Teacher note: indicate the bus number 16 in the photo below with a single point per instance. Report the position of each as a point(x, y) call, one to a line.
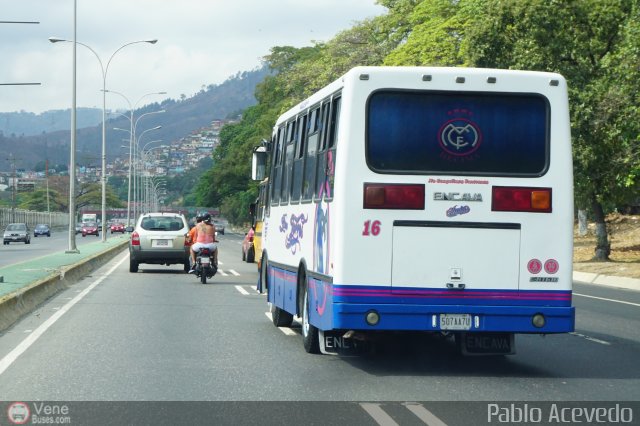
point(371, 228)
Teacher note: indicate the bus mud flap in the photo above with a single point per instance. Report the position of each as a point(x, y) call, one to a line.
point(335, 343)
point(474, 344)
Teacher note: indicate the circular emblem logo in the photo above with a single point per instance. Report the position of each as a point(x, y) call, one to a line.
point(534, 266)
point(551, 266)
point(460, 137)
point(18, 413)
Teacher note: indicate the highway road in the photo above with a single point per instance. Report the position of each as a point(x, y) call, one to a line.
point(41, 246)
point(160, 335)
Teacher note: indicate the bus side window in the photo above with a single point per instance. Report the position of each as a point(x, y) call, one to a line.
point(287, 166)
point(276, 173)
point(326, 152)
point(309, 182)
point(334, 126)
point(298, 162)
point(263, 205)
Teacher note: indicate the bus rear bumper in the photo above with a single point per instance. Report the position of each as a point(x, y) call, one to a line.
point(511, 319)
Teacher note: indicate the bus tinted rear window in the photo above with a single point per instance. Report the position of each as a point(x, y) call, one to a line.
point(491, 134)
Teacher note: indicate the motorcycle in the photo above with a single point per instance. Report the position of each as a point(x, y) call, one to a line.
point(205, 268)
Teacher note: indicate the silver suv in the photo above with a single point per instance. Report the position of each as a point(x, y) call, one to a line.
point(17, 232)
point(158, 238)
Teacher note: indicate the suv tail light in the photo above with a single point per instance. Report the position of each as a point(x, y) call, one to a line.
point(135, 239)
point(518, 199)
point(393, 196)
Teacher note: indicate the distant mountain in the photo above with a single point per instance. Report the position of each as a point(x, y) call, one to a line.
point(28, 123)
point(180, 119)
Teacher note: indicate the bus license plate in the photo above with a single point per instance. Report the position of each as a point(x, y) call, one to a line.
point(455, 321)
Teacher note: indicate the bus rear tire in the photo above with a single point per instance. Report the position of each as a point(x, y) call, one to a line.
point(310, 335)
point(281, 318)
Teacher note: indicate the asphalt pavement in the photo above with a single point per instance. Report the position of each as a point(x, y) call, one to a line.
point(186, 353)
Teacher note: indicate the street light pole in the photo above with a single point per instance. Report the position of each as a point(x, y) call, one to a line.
point(72, 160)
point(132, 138)
point(104, 70)
point(137, 187)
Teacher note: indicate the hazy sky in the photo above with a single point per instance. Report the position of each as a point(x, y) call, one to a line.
point(201, 42)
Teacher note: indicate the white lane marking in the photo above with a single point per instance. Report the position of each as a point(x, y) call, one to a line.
point(12, 356)
point(285, 330)
point(423, 414)
point(234, 272)
point(591, 339)
point(223, 273)
point(608, 300)
point(28, 331)
point(378, 414)
point(242, 290)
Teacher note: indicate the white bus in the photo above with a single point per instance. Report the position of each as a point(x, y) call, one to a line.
point(423, 199)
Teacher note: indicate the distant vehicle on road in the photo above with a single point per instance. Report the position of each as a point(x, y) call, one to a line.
point(42, 229)
point(90, 228)
point(248, 250)
point(117, 227)
point(159, 238)
point(219, 226)
point(16, 233)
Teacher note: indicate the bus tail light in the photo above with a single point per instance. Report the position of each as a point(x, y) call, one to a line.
point(393, 196)
point(519, 199)
point(135, 239)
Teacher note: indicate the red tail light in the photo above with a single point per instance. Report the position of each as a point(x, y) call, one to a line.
point(393, 196)
point(517, 199)
point(135, 239)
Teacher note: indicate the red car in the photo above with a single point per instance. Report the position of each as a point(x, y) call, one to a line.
point(89, 228)
point(117, 227)
point(248, 251)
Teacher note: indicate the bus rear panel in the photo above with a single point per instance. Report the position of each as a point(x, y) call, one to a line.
point(446, 205)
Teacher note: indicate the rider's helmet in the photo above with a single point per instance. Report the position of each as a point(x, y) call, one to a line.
point(206, 218)
point(199, 218)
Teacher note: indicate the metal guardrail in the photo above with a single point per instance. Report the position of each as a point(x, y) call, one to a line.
point(32, 218)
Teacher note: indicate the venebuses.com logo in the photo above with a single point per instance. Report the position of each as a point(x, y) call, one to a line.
point(18, 413)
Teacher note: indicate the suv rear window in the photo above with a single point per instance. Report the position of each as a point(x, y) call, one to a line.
point(162, 223)
point(492, 134)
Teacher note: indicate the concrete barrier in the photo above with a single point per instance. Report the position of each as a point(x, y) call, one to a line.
point(23, 301)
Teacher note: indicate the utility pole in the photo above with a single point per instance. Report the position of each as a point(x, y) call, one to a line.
point(12, 159)
point(46, 174)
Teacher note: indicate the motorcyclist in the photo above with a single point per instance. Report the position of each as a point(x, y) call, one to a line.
point(204, 236)
point(190, 237)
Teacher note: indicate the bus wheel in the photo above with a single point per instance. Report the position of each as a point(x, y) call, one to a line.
point(309, 333)
point(280, 317)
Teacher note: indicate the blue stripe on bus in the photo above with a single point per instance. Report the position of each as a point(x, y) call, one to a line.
point(428, 296)
point(344, 306)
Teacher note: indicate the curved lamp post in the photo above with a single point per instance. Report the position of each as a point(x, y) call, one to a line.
point(132, 137)
point(104, 70)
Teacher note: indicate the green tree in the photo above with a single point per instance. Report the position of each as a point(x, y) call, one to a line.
point(90, 194)
point(37, 201)
point(581, 40)
point(437, 36)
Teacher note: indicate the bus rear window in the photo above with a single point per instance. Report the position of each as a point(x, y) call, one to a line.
point(491, 134)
